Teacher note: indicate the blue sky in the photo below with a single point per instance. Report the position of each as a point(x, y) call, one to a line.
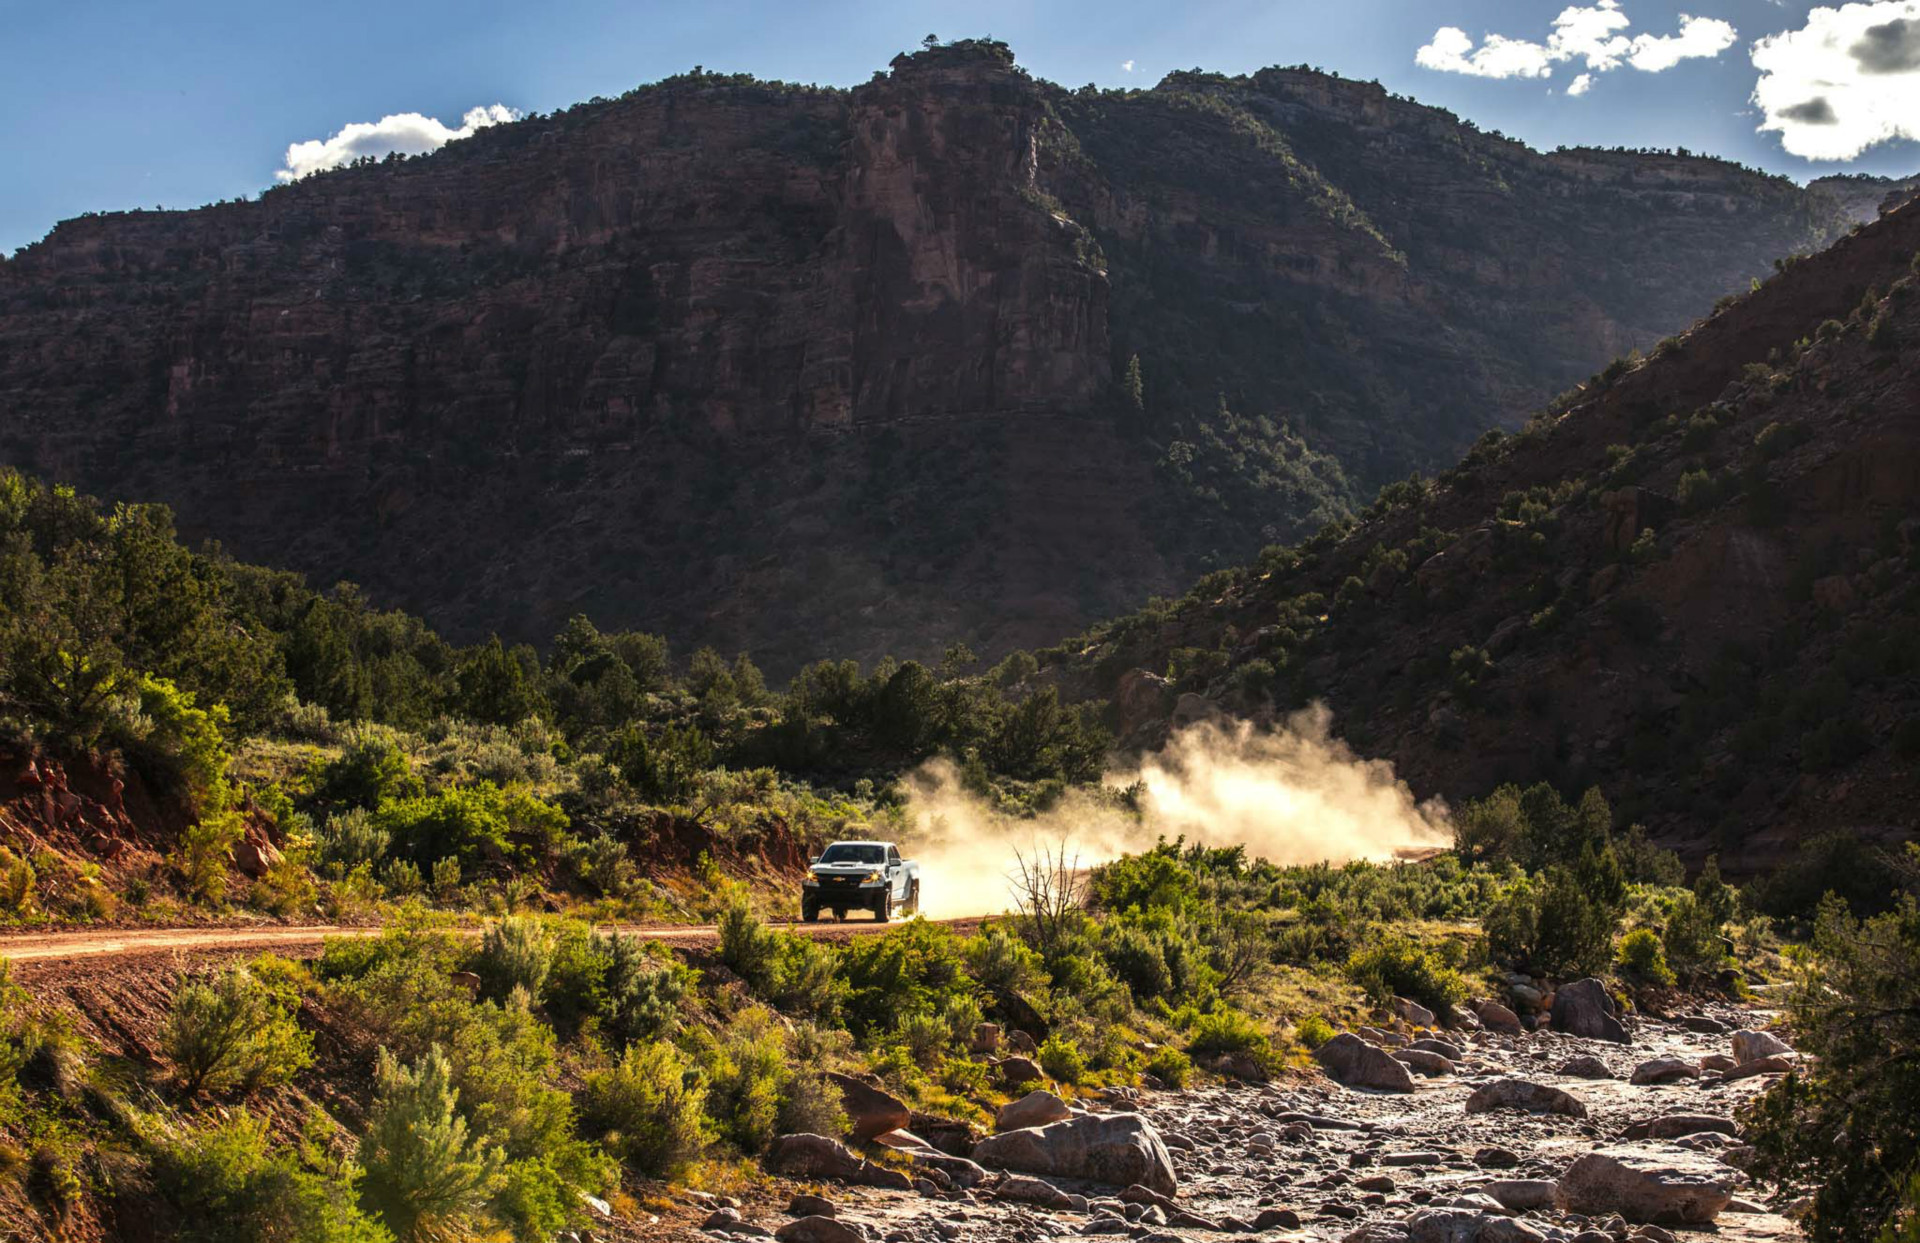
point(115, 104)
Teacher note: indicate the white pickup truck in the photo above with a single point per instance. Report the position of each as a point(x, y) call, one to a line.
point(860, 876)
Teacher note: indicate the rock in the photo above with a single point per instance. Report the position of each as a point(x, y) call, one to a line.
point(812, 1156)
point(1587, 1067)
point(1018, 1070)
point(1583, 1008)
point(725, 1220)
point(1036, 1108)
point(467, 980)
point(1429, 1045)
point(1509, 1230)
point(1020, 1042)
point(1646, 1183)
point(870, 1112)
point(1413, 1012)
point(1119, 1149)
point(1496, 1017)
point(1495, 1158)
point(1525, 996)
point(1357, 1064)
point(1717, 1061)
point(821, 1230)
point(1024, 1190)
point(1663, 1070)
point(1775, 1065)
point(1673, 1126)
point(1445, 1225)
point(1427, 1063)
point(811, 1206)
point(957, 1170)
point(1523, 1094)
point(1521, 1195)
point(1461, 1017)
point(255, 855)
point(1478, 1202)
point(1412, 1158)
point(1751, 1046)
point(985, 1038)
point(1277, 1219)
point(1700, 1023)
point(1385, 1039)
point(905, 1141)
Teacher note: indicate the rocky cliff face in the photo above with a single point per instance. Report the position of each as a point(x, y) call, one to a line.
point(806, 370)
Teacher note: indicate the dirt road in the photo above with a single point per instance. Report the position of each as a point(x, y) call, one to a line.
point(67, 945)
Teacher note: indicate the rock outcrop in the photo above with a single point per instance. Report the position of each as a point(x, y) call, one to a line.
point(1352, 1061)
point(1119, 1149)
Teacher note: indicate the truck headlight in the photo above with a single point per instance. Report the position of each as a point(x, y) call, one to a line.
point(874, 878)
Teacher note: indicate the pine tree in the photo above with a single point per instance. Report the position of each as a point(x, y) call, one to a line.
point(424, 1173)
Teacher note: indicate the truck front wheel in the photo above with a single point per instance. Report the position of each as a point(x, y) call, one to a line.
point(810, 913)
point(883, 909)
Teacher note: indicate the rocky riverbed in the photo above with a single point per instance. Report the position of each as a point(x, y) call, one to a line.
point(1492, 1136)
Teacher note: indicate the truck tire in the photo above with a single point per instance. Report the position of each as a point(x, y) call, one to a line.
point(883, 909)
point(913, 897)
point(810, 913)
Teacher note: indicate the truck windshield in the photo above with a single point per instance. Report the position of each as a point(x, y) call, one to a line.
point(842, 852)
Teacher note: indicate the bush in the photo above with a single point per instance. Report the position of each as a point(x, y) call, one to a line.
point(469, 822)
point(1693, 939)
point(203, 853)
point(1560, 925)
point(515, 953)
point(233, 1031)
point(370, 772)
point(1226, 1031)
point(649, 1109)
point(347, 840)
point(603, 863)
point(639, 996)
point(16, 883)
point(1643, 957)
point(1062, 1060)
point(791, 972)
point(1137, 960)
point(425, 1175)
point(1171, 1067)
point(754, 1090)
point(1396, 965)
point(1003, 964)
point(1312, 1031)
point(230, 1187)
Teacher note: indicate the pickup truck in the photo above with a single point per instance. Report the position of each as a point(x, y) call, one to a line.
point(860, 876)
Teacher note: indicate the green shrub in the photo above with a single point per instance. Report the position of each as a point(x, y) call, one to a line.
point(469, 822)
point(1642, 956)
point(203, 853)
point(1226, 1030)
point(1062, 1060)
point(1693, 938)
point(1003, 964)
point(916, 968)
point(755, 1092)
point(16, 883)
point(229, 1186)
point(515, 953)
point(1697, 492)
point(1312, 1031)
point(1560, 924)
point(1137, 960)
point(348, 839)
point(1171, 1067)
point(233, 1031)
point(371, 771)
point(426, 1176)
point(1396, 965)
point(604, 864)
point(648, 1107)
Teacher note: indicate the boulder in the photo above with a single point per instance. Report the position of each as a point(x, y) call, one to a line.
point(1037, 1191)
point(1700, 1023)
point(1424, 1061)
point(1495, 1158)
point(1277, 1219)
point(812, 1156)
point(958, 1170)
point(1664, 1070)
point(1653, 1183)
point(1036, 1108)
point(1495, 1017)
point(949, 1135)
point(811, 1206)
point(1521, 1195)
point(1016, 1070)
point(1751, 1046)
point(1413, 1012)
point(985, 1039)
point(1587, 1067)
point(1444, 1048)
point(1673, 1126)
point(1467, 1225)
point(1778, 1064)
point(870, 1112)
point(1583, 1008)
point(1352, 1061)
point(1510, 1230)
point(1523, 1094)
point(821, 1230)
point(1119, 1149)
point(255, 855)
point(1717, 1061)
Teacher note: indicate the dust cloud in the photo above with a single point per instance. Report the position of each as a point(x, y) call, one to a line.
point(1290, 795)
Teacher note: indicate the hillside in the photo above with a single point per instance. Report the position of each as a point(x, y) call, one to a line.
point(801, 370)
point(1696, 583)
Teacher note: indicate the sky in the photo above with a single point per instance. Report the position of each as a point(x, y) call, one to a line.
point(112, 104)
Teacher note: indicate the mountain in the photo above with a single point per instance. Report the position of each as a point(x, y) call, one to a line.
point(1865, 197)
point(803, 370)
point(1695, 582)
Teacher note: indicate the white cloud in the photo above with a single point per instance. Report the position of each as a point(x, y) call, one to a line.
point(1847, 80)
point(1127, 65)
point(406, 132)
point(1594, 35)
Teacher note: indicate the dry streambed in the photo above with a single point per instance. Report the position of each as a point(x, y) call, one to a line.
point(1489, 1137)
